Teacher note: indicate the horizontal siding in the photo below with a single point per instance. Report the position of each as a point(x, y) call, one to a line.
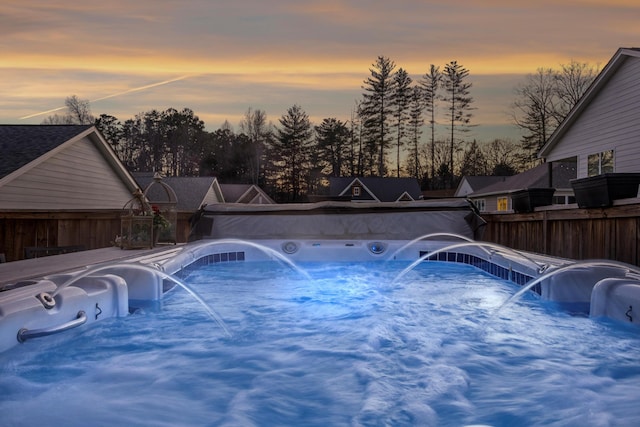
point(611, 121)
point(79, 177)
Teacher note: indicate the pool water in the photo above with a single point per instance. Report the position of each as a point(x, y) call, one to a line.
point(349, 347)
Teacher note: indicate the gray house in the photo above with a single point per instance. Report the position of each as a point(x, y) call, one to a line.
point(602, 132)
point(497, 197)
point(194, 192)
point(374, 189)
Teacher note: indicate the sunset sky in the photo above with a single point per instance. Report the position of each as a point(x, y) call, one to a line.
point(221, 57)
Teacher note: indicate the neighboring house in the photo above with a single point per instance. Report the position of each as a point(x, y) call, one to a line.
point(245, 193)
point(496, 197)
point(60, 186)
point(194, 192)
point(601, 133)
point(60, 167)
point(374, 189)
point(471, 184)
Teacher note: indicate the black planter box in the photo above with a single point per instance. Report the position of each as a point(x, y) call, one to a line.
point(601, 190)
point(526, 200)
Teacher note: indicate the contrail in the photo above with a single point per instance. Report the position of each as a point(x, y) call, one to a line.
point(136, 89)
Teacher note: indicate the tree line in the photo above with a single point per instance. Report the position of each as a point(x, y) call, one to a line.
point(383, 137)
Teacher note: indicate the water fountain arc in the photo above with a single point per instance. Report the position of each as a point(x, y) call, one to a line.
point(578, 264)
point(484, 245)
point(154, 271)
point(428, 236)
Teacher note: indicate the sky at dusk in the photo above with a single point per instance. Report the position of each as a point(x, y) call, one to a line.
point(221, 57)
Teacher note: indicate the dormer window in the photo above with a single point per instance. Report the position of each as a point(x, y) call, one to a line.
point(355, 191)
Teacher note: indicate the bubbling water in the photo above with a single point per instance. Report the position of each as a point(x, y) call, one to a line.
point(141, 267)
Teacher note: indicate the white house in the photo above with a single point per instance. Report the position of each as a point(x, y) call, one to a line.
point(602, 132)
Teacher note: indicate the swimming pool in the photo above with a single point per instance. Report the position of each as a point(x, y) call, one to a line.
point(352, 339)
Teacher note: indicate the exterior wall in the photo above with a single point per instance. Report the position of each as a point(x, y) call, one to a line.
point(77, 178)
point(610, 122)
point(491, 203)
point(463, 189)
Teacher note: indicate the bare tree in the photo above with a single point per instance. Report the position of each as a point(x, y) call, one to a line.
point(78, 112)
point(255, 126)
point(502, 155)
point(545, 99)
point(533, 110)
point(571, 82)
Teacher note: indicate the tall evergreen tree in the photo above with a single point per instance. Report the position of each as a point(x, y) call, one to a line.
point(459, 105)
point(291, 150)
point(377, 107)
point(401, 98)
point(431, 83)
point(332, 137)
point(416, 120)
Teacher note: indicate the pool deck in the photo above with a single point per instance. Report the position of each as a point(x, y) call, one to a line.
point(36, 268)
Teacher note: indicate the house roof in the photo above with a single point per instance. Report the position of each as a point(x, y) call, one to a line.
point(67, 167)
point(190, 191)
point(193, 192)
point(382, 189)
point(477, 183)
point(242, 193)
point(600, 81)
point(22, 144)
point(537, 177)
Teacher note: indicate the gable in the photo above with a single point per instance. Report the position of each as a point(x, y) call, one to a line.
point(606, 118)
point(75, 175)
point(376, 189)
point(22, 144)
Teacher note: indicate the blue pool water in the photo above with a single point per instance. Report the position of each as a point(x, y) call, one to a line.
point(350, 347)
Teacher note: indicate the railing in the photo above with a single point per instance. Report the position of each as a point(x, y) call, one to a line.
point(25, 334)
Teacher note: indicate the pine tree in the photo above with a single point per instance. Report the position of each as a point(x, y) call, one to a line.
point(291, 150)
point(377, 108)
point(416, 106)
point(401, 98)
point(431, 83)
point(457, 97)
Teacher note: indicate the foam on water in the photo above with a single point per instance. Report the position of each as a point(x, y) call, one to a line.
point(349, 347)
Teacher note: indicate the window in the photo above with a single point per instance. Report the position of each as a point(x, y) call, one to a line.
point(600, 163)
point(563, 200)
point(355, 191)
point(503, 203)
point(481, 204)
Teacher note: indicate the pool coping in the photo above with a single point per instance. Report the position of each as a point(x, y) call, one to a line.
point(36, 268)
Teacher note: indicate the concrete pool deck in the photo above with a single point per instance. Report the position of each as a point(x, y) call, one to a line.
point(36, 268)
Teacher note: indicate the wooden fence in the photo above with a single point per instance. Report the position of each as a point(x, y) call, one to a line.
point(603, 233)
point(56, 232)
point(611, 233)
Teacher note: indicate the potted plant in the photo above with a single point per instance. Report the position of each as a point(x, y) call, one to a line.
point(601, 190)
point(160, 224)
point(530, 198)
